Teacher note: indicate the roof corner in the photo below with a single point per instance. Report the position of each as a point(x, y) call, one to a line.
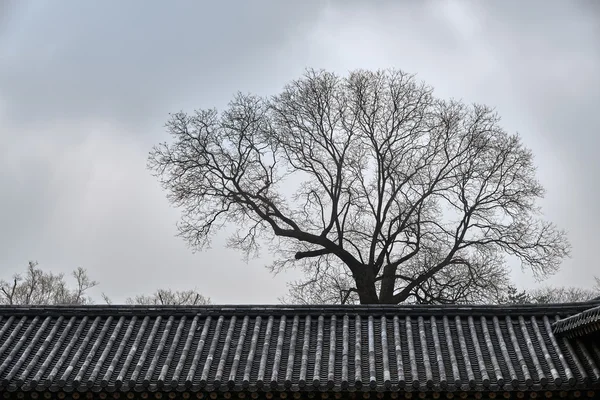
point(584, 323)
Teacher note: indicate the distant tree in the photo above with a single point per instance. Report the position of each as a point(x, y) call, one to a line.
point(37, 287)
point(514, 296)
point(170, 297)
point(378, 191)
point(550, 294)
point(565, 294)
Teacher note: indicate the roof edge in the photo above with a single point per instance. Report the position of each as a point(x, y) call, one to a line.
point(424, 310)
point(581, 324)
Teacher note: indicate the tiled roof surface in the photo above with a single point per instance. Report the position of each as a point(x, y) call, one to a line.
point(293, 348)
point(581, 324)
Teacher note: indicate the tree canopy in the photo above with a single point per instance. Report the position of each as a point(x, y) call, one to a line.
point(376, 189)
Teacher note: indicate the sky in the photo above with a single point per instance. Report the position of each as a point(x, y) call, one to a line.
point(86, 87)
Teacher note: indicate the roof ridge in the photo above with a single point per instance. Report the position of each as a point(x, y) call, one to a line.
point(246, 309)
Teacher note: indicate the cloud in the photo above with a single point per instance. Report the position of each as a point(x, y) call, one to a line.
point(85, 89)
point(128, 62)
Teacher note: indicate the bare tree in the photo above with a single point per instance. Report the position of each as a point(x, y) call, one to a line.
point(566, 294)
point(38, 287)
point(377, 190)
point(550, 294)
point(512, 295)
point(170, 297)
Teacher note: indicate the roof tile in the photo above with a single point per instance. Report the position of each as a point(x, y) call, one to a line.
point(294, 348)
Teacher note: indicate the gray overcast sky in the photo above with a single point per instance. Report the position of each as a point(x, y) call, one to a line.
point(86, 86)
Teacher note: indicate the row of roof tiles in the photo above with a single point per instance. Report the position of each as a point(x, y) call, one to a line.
point(581, 324)
point(276, 348)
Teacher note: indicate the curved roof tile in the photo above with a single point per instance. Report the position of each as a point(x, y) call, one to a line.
point(229, 348)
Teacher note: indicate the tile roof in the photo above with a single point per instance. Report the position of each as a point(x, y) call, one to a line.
point(282, 348)
point(581, 324)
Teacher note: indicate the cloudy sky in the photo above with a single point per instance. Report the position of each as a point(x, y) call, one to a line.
point(86, 87)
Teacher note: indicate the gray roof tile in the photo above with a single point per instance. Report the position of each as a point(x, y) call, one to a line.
point(580, 324)
point(231, 348)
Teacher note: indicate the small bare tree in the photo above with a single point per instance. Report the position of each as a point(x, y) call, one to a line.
point(550, 294)
point(37, 287)
point(171, 297)
point(512, 295)
point(565, 294)
point(377, 190)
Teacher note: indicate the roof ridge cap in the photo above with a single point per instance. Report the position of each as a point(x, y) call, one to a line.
point(472, 309)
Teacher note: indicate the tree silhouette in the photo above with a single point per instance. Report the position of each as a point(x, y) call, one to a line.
point(377, 190)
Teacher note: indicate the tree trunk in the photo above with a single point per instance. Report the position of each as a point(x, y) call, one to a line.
point(388, 281)
point(365, 286)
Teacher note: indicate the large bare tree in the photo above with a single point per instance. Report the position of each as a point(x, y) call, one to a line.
point(379, 191)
